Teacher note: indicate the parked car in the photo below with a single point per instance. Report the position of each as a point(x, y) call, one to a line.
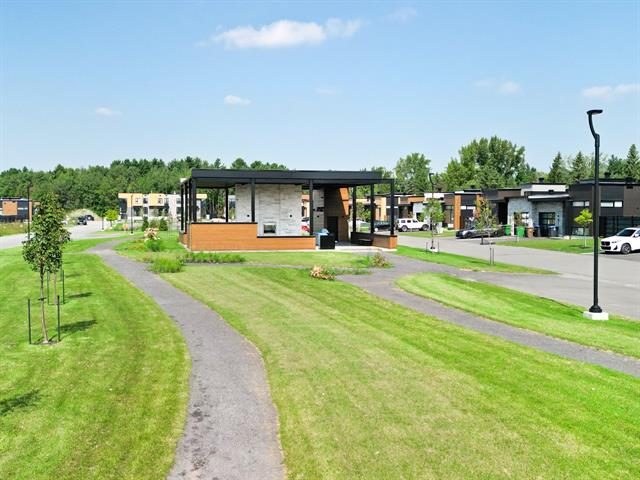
point(473, 232)
point(381, 225)
point(406, 224)
point(81, 220)
point(625, 241)
point(89, 218)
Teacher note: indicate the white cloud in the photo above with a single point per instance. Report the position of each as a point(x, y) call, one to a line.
point(106, 112)
point(327, 91)
point(403, 14)
point(235, 100)
point(284, 33)
point(608, 91)
point(507, 87)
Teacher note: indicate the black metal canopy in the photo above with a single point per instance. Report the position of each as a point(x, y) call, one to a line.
point(213, 178)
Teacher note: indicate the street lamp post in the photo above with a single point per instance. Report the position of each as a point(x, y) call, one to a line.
point(430, 212)
point(595, 312)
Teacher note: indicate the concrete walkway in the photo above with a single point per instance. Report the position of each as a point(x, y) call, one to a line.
point(232, 426)
point(382, 284)
point(619, 276)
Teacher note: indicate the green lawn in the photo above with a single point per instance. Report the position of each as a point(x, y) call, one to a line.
point(445, 233)
point(136, 250)
point(575, 245)
point(366, 389)
point(110, 400)
point(12, 228)
point(464, 262)
point(527, 311)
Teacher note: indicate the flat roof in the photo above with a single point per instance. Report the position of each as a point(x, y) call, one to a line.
point(219, 178)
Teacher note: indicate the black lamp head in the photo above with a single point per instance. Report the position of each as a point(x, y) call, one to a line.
point(594, 112)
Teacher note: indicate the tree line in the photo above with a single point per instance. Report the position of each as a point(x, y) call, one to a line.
point(484, 163)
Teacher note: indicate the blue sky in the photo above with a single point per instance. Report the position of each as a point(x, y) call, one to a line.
point(339, 85)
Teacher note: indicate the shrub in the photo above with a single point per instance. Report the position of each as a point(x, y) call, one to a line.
point(163, 226)
point(202, 257)
point(323, 273)
point(376, 261)
point(154, 245)
point(154, 223)
point(166, 265)
point(145, 223)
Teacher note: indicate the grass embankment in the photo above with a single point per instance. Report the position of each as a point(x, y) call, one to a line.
point(466, 263)
point(109, 401)
point(368, 389)
point(427, 234)
point(575, 245)
point(12, 228)
point(527, 311)
point(171, 248)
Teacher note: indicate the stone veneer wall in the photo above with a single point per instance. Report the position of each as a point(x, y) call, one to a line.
point(534, 208)
point(279, 204)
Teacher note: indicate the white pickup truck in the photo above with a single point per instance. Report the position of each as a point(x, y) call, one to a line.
point(625, 241)
point(406, 224)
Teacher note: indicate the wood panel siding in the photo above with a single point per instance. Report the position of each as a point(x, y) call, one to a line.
point(240, 236)
point(9, 208)
point(456, 212)
point(377, 239)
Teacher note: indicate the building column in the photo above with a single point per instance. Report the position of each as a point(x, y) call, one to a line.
point(372, 204)
point(226, 204)
point(392, 213)
point(181, 207)
point(311, 207)
point(194, 200)
point(253, 200)
point(354, 205)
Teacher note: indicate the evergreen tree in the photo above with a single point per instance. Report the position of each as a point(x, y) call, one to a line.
point(579, 168)
point(558, 172)
point(632, 164)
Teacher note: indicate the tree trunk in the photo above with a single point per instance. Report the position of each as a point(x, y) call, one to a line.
point(45, 337)
point(55, 287)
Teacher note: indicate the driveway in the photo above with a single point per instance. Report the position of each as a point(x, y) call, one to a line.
point(78, 232)
point(619, 277)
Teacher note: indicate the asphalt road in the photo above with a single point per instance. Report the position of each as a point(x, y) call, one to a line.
point(78, 232)
point(619, 277)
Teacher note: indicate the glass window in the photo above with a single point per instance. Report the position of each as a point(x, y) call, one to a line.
point(269, 229)
point(617, 204)
point(577, 204)
point(606, 204)
point(627, 232)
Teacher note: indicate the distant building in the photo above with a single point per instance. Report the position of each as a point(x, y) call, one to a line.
point(155, 205)
point(16, 209)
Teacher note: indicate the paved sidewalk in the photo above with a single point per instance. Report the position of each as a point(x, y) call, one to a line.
point(382, 284)
point(232, 425)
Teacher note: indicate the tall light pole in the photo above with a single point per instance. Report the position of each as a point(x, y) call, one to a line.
point(431, 213)
point(595, 312)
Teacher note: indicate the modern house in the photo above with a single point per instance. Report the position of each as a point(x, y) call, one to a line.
point(268, 210)
point(16, 209)
point(154, 205)
point(619, 204)
point(460, 207)
point(540, 205)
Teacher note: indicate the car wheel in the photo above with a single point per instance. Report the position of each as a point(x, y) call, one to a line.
point(625, 249)
point(424, 228)
point(404, 228)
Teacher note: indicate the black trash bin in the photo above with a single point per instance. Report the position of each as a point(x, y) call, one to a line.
point(327, 242)
point(536, 231)
point(553, 231)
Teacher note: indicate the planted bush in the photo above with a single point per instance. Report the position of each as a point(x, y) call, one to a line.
point(154, 223)
point(377, 261)
point(323, 273)
point(163, 226)
point(166, 265)
point(204, 257)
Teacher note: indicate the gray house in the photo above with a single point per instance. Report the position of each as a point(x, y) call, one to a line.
point(540, 205)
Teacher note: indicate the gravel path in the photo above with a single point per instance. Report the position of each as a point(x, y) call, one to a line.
point(232, 426)
point(382, 284)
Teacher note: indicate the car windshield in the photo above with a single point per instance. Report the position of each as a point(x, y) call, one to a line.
point(627, 232)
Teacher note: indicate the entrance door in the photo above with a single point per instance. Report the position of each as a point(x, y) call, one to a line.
point(332, 225)
point(545, 220)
